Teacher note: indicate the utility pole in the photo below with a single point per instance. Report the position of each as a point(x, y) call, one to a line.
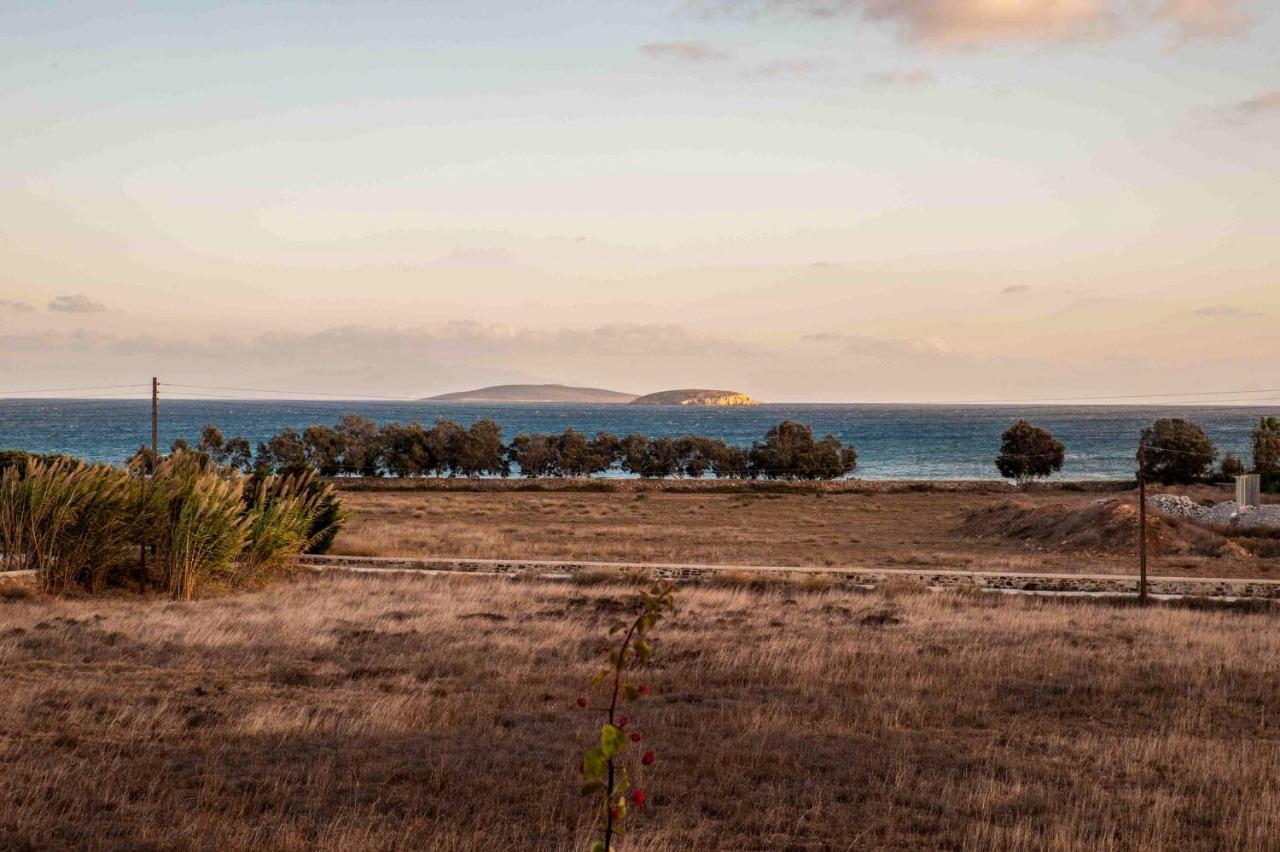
point(1142, 522)
point(145, 473)
point(155, 414)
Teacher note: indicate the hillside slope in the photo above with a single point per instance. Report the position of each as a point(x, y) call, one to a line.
point(535, 393)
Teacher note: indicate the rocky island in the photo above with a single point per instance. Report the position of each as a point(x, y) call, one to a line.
point(694, 396)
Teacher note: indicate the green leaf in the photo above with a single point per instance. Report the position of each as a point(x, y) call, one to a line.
point(594, 765)
point(642, 652)
point(598, 846)
point(598, 677)
point(617, 625)
point(631, 693)
point(612, 740)
point(592, 787)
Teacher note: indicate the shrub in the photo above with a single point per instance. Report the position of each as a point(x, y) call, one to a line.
point(1028, 452)
point(1177, 451)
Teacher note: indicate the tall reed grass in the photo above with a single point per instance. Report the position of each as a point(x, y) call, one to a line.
point(86, 527)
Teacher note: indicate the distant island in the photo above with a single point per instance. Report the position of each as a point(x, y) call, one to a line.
point(694, 396)
point(535, 393)
point(568, 393)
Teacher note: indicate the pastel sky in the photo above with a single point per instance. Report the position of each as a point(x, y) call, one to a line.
point(806, 200)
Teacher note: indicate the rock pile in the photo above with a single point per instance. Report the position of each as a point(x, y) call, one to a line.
point(1225, 514)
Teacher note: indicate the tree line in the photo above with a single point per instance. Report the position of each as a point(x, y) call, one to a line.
point(358, 446)
point(1173, 450)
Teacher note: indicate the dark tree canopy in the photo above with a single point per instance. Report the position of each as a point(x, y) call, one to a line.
point(789, 451)
point(1028, 452)
point(1177, 451)
point(1266, 446)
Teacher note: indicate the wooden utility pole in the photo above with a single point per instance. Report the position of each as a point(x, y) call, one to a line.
point(145, 473)
point(155, 414)
point(1142, 522)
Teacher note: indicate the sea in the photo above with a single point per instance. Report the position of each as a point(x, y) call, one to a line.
point(939, 442)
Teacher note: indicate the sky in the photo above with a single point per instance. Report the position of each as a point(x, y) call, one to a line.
point(803, 200)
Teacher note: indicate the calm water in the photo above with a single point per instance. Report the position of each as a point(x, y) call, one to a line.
point(893, 441)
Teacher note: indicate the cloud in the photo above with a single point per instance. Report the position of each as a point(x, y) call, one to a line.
point(77, 303)
point(1226, 312)
point(14, 306)
point(692, 52)
point(1264, 104)
point(1014, 289)
point(968, 23)
point(882, 348)
point(786, 68)
point(905, 79)
point(1206, 17)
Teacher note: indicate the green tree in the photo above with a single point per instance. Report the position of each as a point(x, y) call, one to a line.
point(789, 451)
point(535, 455)
point(1266, 446)
point(1177, 451)
point(1028, 452)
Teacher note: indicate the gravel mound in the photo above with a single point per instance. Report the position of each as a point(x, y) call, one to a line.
point(1225, 514)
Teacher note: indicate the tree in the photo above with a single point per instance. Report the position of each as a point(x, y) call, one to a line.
point(729, 462)
point(361, 449)
point(535, 455)
point(1177, 451)
point(1231, 467)
point(323, 449)
point(286, 452)
point(789, 451)
point(481, 451)
point(1266, 446)
point(1028, 452)
point(404, 450)
point(237, 454)
point(211, 442)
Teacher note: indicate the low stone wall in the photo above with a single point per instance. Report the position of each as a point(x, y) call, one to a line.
point(718, 486)
point(996, 581)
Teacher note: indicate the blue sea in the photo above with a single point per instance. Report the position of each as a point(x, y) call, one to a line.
point(893, 441)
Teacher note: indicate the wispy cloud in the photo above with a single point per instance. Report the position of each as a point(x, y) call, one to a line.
point(786, 68)
point(1264, 104)
point(982, 22)
point(76, 303)
point(1014, 289)
point(13, 306)
point(1227, 312)
point(909, 78)
point(692, 52)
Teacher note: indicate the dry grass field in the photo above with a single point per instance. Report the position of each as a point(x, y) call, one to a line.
point(859, 529)
point(437, 713)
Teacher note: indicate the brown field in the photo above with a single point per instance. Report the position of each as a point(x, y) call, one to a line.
point(354, 713)
point(871, 528)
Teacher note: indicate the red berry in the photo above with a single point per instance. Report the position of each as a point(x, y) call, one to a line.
point(638, 798)
point(648, 758)
point(635, 738)
point(622, 722)
point(582, 702)
point(644, 690)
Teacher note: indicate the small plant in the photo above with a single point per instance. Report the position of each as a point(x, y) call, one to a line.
point(606, 769)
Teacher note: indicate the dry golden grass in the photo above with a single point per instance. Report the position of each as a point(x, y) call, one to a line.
point(857, 529)
point(365, 712)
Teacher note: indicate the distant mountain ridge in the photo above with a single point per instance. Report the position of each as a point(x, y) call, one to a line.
point(694, 396)
point(535, 393)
